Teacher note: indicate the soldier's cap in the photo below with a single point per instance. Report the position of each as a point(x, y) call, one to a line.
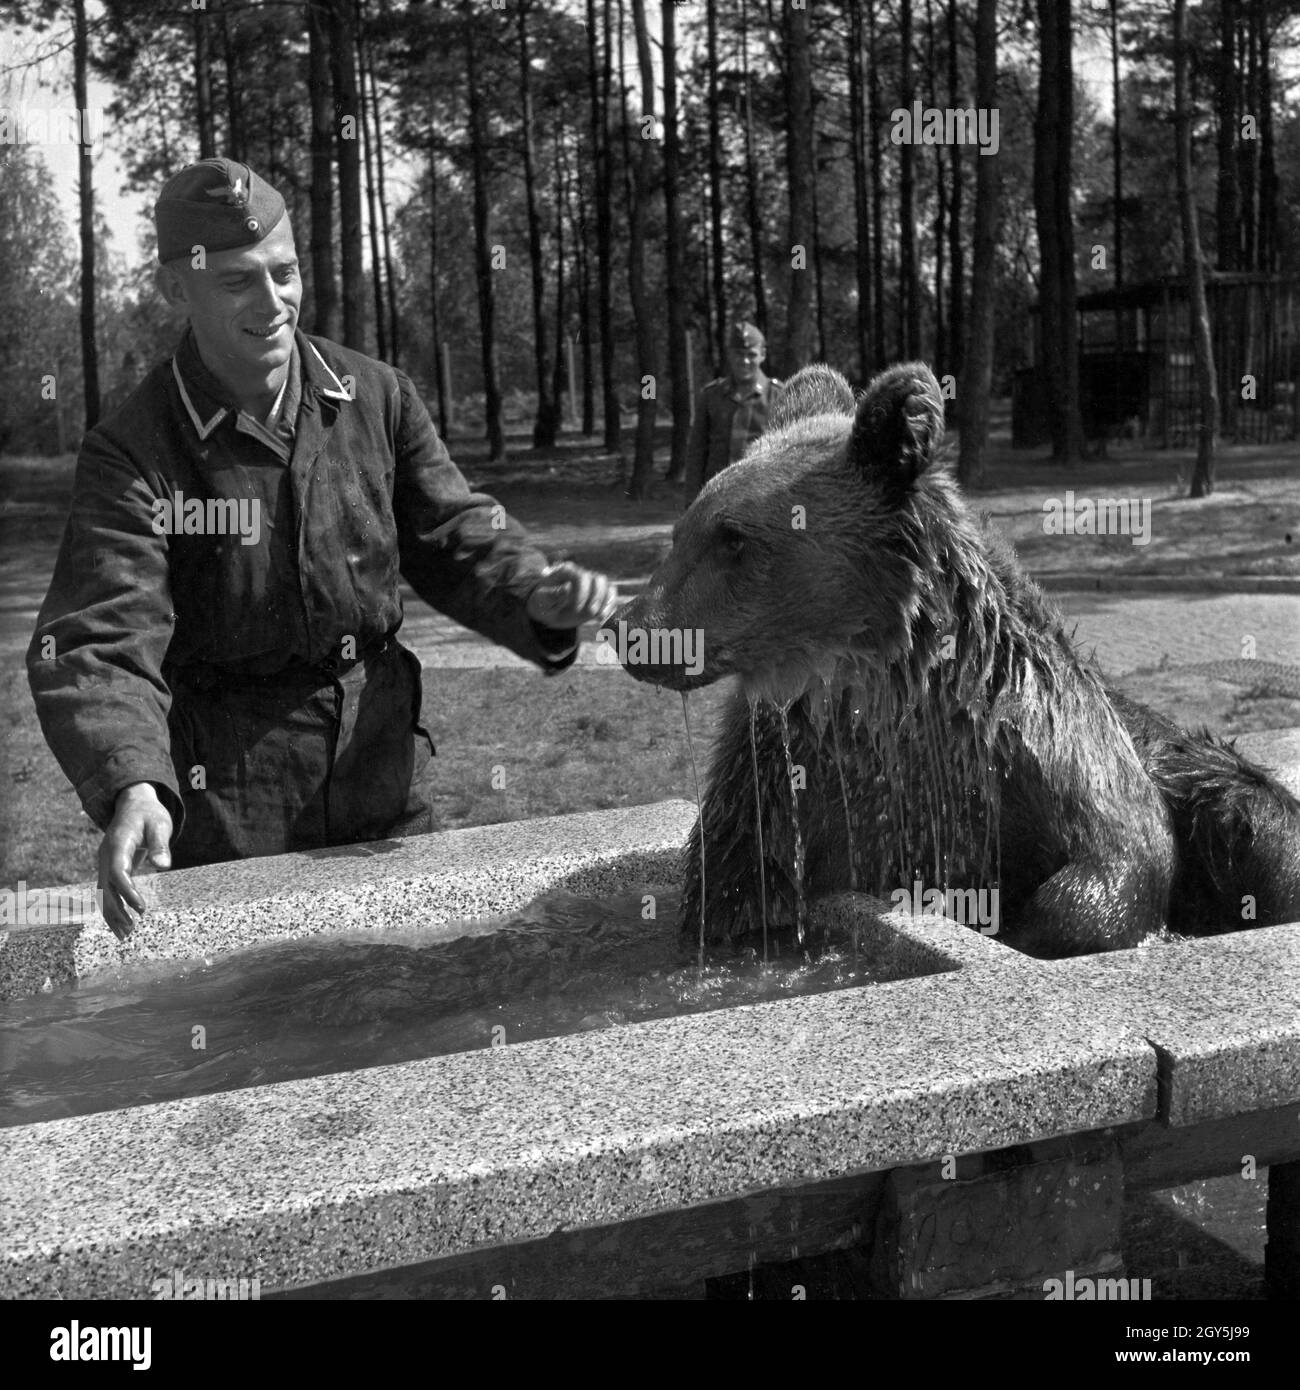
point(745, 335)
point(217, 204)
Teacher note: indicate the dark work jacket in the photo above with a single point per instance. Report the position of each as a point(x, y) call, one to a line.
point(268, 673)
point(710, 447)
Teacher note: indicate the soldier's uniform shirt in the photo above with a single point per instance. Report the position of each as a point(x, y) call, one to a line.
point(260, 686)
point(728, 417)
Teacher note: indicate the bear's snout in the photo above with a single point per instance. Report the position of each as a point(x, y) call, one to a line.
point(651, 649)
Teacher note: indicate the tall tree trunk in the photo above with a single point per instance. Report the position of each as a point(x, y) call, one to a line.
point(1053, 141)
point(909, 286)
point(372, 212)
point(204, 116)
point(1117, 153)
point(482, 246)
point(717, 337)
point(600, 78)
point(940, 203)
point(347, 115)
point(584, 304)
point(877, 194)
point(977, 370)
point(1202, 345)
point(861, 195)
point(624, 97)
point(268, 154)
point(1228, 195)
point(642, 308)
point(1227, 202)
point(386, 235)
point(956, 253)
point(560, 372)
point(1268, 185)
point(818, 266)
point(675, 259)
point(1248, 150)
point(325, 299)
point(756, 220)
point(546, 423)
point(1117, 197)
point(438, 374)
point(234, 94)
point(86, 208)
point(799, 153)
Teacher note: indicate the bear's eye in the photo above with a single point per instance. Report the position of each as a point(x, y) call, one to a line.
point(731, 541)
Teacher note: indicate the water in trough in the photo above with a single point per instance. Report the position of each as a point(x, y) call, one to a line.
point(328, 1004)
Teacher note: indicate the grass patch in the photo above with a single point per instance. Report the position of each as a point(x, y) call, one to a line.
point(45, 836)
point(587, 740)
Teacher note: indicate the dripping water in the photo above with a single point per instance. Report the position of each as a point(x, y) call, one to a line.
point(938, 764)
point(934, 774)
point(801, 901)
point(844, 801)
point(939, 814)
point(699, 808)
point(758, 823)
point(848, 822)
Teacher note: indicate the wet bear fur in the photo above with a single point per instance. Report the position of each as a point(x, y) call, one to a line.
point(945, 728)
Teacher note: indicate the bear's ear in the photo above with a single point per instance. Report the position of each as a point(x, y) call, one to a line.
point(899, 426)
point(815, 390)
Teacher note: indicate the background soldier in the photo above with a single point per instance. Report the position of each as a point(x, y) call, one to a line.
point(730, 411)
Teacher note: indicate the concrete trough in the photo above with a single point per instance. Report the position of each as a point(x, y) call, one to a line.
point(439, 1173)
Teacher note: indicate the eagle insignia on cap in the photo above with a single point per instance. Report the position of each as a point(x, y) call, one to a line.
point(235, 196)
point(217, 202)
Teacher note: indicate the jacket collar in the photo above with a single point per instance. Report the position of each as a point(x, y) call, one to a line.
point(201, 394)
point(318, 373)
point(207, 402)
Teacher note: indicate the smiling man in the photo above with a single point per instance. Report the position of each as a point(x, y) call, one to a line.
point(216, 664)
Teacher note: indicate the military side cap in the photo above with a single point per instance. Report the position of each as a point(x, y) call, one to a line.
point(745, 335)
point(217, 204)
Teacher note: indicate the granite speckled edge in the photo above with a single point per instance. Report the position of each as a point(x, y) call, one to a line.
point(423, 882)
point(1223, 1013)
point(511, 1143)
point(319, 1178)
point(900, 944)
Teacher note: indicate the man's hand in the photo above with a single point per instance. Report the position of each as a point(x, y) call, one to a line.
point(567, 596)
point(141, 830)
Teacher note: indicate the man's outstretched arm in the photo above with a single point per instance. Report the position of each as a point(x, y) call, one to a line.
point(468, 558)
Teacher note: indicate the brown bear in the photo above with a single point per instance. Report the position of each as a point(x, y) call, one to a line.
point(911, 711)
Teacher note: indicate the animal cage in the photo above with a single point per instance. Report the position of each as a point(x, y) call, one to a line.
point(1137, 375)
